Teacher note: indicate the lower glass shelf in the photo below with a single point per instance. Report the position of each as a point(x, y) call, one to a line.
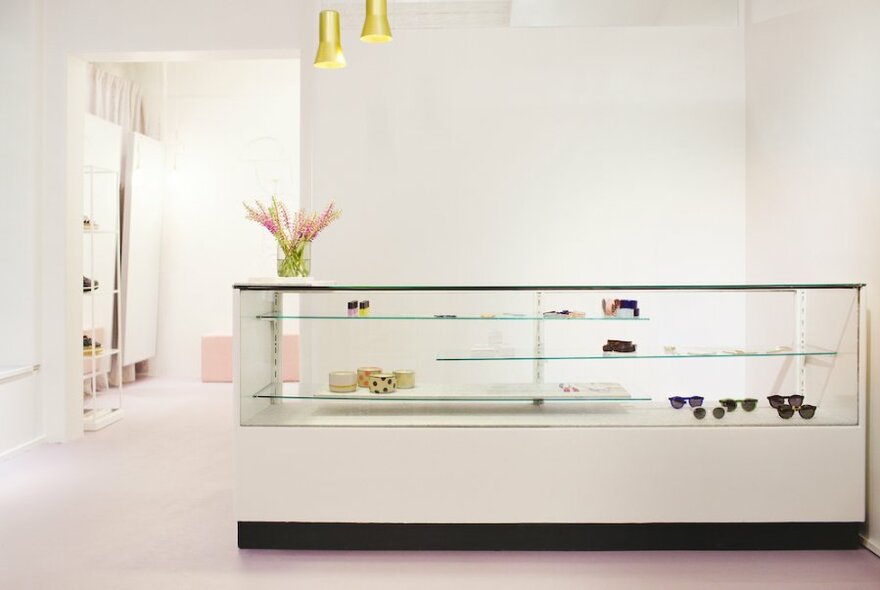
point(362, 411)
point(506, 392)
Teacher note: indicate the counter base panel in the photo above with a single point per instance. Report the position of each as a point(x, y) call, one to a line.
point(548, 536)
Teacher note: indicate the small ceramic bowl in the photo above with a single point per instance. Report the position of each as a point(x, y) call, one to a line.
point(383, 383)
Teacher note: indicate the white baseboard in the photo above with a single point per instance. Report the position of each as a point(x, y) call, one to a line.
point(10, 453)
point(872, 546)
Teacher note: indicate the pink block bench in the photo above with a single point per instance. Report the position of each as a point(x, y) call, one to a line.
point(217, 358)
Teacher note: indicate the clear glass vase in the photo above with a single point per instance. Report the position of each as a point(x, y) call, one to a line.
point(295, 262)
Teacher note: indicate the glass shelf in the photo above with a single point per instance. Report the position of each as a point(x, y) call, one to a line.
point(99, 353)
point(446, 317)
point(655, 354)
point(280, 285)
point(513, 392)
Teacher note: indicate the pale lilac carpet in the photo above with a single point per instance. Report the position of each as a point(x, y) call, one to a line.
point(147, 504)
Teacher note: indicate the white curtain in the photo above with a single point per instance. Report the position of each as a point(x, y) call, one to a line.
point(116, 99)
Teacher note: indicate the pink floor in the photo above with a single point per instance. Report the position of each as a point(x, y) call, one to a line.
point(147, 503)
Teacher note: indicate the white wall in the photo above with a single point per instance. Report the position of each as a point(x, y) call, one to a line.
point(20, 58)
point(20, 188)
point(113, 30)
point(813, 120)
point(528, 155)
point(220, 116)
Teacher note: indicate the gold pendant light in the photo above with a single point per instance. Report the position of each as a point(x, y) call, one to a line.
point(329, 42)
point(376, 27)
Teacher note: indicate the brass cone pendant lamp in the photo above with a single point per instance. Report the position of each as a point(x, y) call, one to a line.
point(329, 41)
point(376, 27)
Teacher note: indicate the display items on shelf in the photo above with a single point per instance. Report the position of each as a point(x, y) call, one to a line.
point(515, 389)
point(102, 366)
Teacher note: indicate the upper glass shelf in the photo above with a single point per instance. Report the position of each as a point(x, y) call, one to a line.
point(325, 286)
point(683, 353)
point(485, 317)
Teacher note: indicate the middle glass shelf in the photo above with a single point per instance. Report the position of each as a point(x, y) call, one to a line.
point(683, 353)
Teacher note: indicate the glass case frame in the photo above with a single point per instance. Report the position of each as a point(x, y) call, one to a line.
point(781, 339)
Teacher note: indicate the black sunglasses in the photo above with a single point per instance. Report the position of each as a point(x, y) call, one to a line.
point(678, 402)
point(747, 404)
point(700, 413)
point(779, 400)
point(787, 411)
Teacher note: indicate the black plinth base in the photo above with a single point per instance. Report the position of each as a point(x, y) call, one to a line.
point(548, 537)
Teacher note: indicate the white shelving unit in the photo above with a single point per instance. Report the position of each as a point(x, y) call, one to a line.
point(101, 243)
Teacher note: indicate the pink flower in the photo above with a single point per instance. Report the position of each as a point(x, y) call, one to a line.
point(291, 232)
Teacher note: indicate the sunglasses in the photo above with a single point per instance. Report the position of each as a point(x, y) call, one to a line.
point(678, 402)
point(700, 413)
point(787, 411)
point(747, 404)
point(779, 400)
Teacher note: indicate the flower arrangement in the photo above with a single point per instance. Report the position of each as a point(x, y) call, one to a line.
point(294, 233)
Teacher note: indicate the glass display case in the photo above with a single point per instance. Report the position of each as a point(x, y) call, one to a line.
point(550, 417)
point(545, 356)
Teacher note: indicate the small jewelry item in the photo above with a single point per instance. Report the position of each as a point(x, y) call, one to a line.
point(406, 378)
point(383, 383)
point(619, 346)
point(343, 381)
point(609, 306)
point(364, 373)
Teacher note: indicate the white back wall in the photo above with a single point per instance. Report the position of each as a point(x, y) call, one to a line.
point(814, 158)
point(530, 156)
point(20, 55)
point(220, 117)
point(533, 155)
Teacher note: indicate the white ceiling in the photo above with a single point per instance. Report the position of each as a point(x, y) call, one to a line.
point(420, 14)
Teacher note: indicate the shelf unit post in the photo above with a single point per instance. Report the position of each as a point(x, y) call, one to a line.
point(800, 339)
point(539, 339)
point(277, 345)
